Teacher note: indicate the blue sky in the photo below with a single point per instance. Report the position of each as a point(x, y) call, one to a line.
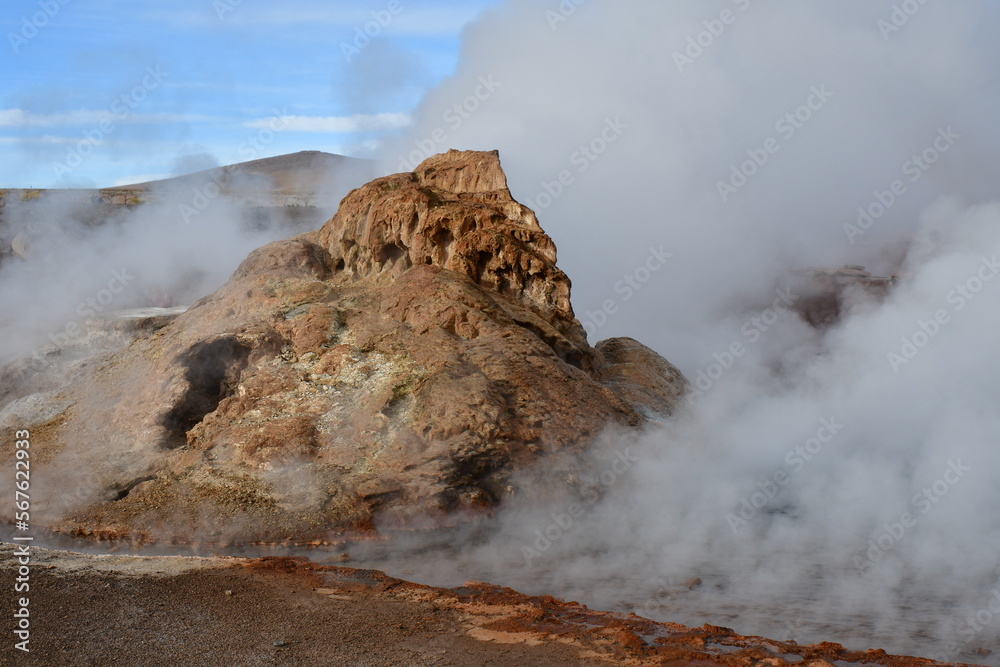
point(106, 92)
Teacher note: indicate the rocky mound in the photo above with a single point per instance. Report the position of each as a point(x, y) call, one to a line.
point(396, 366)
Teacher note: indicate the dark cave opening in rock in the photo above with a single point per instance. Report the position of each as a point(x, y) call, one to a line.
point(391, 252)
point(213, 372)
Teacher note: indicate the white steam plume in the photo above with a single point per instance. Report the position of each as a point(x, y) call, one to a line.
point(836, 484)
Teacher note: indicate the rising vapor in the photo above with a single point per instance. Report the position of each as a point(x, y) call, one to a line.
point(821, 481)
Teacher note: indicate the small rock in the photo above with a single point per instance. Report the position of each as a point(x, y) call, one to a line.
point(229, 592)
point(281, 643)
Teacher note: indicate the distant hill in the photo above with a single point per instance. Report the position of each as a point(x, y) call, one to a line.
point(295, 193)
point(295, 173)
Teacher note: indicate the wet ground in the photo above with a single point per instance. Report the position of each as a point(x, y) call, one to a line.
point(107, 610)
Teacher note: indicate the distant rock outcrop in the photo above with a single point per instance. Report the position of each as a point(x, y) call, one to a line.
point(821, 295)
point(394, 367)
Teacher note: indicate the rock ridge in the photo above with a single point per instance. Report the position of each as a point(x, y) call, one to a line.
point(456, 212)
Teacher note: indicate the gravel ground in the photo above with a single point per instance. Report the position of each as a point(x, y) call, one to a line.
point(267, 617)
point(109, 610)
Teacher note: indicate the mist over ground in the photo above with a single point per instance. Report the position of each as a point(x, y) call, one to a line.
point(838, 482)
point(169, 244)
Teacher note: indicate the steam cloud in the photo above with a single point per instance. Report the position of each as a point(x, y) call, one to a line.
point(88, 259)
point(836, 484)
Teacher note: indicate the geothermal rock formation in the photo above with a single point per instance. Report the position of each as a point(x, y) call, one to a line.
point(396, 366)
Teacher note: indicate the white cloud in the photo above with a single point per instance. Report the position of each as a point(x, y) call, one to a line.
point(22, 118)
point(433, 19)
point(47, 140)
point(334, 124)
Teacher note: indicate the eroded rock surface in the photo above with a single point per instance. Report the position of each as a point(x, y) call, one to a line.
point(394, 367)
